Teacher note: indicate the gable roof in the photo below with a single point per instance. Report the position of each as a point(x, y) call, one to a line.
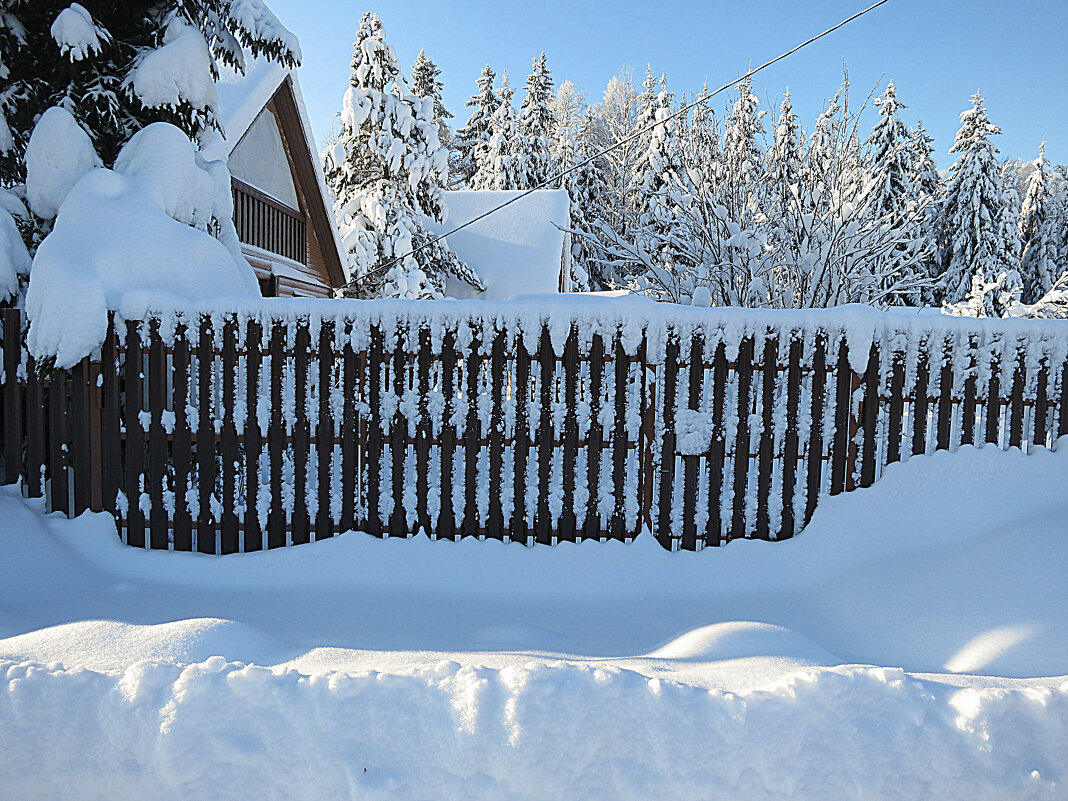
point(241, 99)
point(517, 250)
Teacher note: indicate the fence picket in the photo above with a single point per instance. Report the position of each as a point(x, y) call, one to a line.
point(349, 434)
point(229, 538)
point(543, 526)
point(668, 441)
point(252, 532)
point(158, 473)
point(744, 369)
point(135, 437)
point(37, 435)
point(766, 452)
point(869, 418)
point(495, 518)
point(472, 439)
point(206, 439)
point(591, 528)
point(110, 422)
point(691, 464)
point(276, 517)
point(374, 439)
point(717, 452)
point(423, 434)
point(618, 522)
point(299, 522)
point(398, 436)
point(791, 442)
point(12, 428)
point(519, 530)
point(446, 525)
point(568, 523)
point(182, 443)
point(814, 450)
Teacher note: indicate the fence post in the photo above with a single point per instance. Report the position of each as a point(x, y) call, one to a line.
point(12, 427)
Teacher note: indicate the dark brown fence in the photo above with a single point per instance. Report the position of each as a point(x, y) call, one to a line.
point(223, 433)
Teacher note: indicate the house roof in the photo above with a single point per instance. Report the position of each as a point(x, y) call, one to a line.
point(517, 250)
point(241, 99)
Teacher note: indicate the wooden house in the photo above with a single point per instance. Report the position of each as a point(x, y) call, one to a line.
point(282, 209)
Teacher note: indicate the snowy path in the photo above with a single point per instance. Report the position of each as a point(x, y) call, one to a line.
point(902, 647)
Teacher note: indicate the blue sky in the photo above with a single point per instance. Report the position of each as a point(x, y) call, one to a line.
point(938, 52)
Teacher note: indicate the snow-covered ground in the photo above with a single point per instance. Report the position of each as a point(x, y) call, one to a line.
point(912, 643)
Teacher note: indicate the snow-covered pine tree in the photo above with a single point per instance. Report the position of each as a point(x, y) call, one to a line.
point(587, 187)
point(473, 138)
point(887, 196)
point(743, 154)
point(926, 189)
point(498, 163)
point(390, 183)
point(973, 236)
point(425, 83)
point(536, 128)
point(1037, 235)
point(785, 159)
point(616, 114)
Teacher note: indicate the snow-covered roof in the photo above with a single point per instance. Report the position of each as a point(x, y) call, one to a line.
point(241, 98)
point(516, 250)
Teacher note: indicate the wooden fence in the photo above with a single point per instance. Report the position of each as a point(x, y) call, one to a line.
point(223, 433)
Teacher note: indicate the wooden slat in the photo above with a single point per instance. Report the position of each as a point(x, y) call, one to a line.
point(157, 474)
point(920, 401)
point(591, 528)
point(618, 523)
point(945, 401)
point(324, 432)
point(12, 427)
point(206, 439)
point(897, 408)
point(495, 516)
point(691, 464)
point(543, 524)
point(869, 418)
point(519, 529)
point(229, 540)
point(423, 434)
point(993, 402)
point(398, 437)
point(791, 442)
point(814, 478)
point(37, 434)
point(1016, 400)
point(568, 524)
point(668, 439)
point(766, 448)
point(252, 530)
point(276, 518)
point(1041, 404)
point(110, 420)
point(969, 406)
point(446, 524)
point(81, 437)
point(717, 452)
point(744, 369)
point(182, 443)
point(375, 359)
point(135, 438)
point(300, 524)
point(843, 420)
point(1062, 422)
point(349, 434)
point(472, 438)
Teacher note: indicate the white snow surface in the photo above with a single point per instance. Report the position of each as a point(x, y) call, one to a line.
point(179, 70)
point(911, 643)
point(58, 154)
point(517, 250)
point(126, 233)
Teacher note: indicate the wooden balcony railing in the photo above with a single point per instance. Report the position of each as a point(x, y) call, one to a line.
point(263, 222)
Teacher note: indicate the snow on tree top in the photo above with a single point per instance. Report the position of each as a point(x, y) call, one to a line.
point(516, 250)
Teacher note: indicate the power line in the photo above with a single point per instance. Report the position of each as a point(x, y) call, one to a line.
point(621, 142)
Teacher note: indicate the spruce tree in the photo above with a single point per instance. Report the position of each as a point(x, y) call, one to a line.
point(498, 163)
point(926, 189)
point(785, 158)
point(535, 130)
point(425, 83)
point(743, 155)
point(587, 187)
point(1037, 221)
point(118, 65)
point(472, 140)
point(973, 236)
point(390, 182)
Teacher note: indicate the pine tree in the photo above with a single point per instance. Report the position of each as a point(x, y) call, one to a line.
point(473, 139)
point(389, 184)
point(1037, 220)
point(785, 158)
point(425, 83)
point(535, 131)
point(498, 163)
point(974, 238)
point(926, 189)
point(743, 156)
point(118, 65)
point(587, 187)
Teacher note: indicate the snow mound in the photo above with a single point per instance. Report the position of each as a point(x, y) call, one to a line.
point(182, 642)
point(179, 71)
point(76, 34)
point(58, 154)
point(516, 250)
point(14, 258)
point(742, 640)
point(126, 233)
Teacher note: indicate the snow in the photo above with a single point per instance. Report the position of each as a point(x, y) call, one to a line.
point(910, 644)
point(75, 33)
point(58, 154)
point(178, 71)
point(517, 250)
point(14, 258)
point(127, 231)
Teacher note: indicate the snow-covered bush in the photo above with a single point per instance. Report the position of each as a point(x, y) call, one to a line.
point(141, 227)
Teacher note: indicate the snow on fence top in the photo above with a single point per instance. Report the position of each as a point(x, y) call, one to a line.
point(855, 325)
